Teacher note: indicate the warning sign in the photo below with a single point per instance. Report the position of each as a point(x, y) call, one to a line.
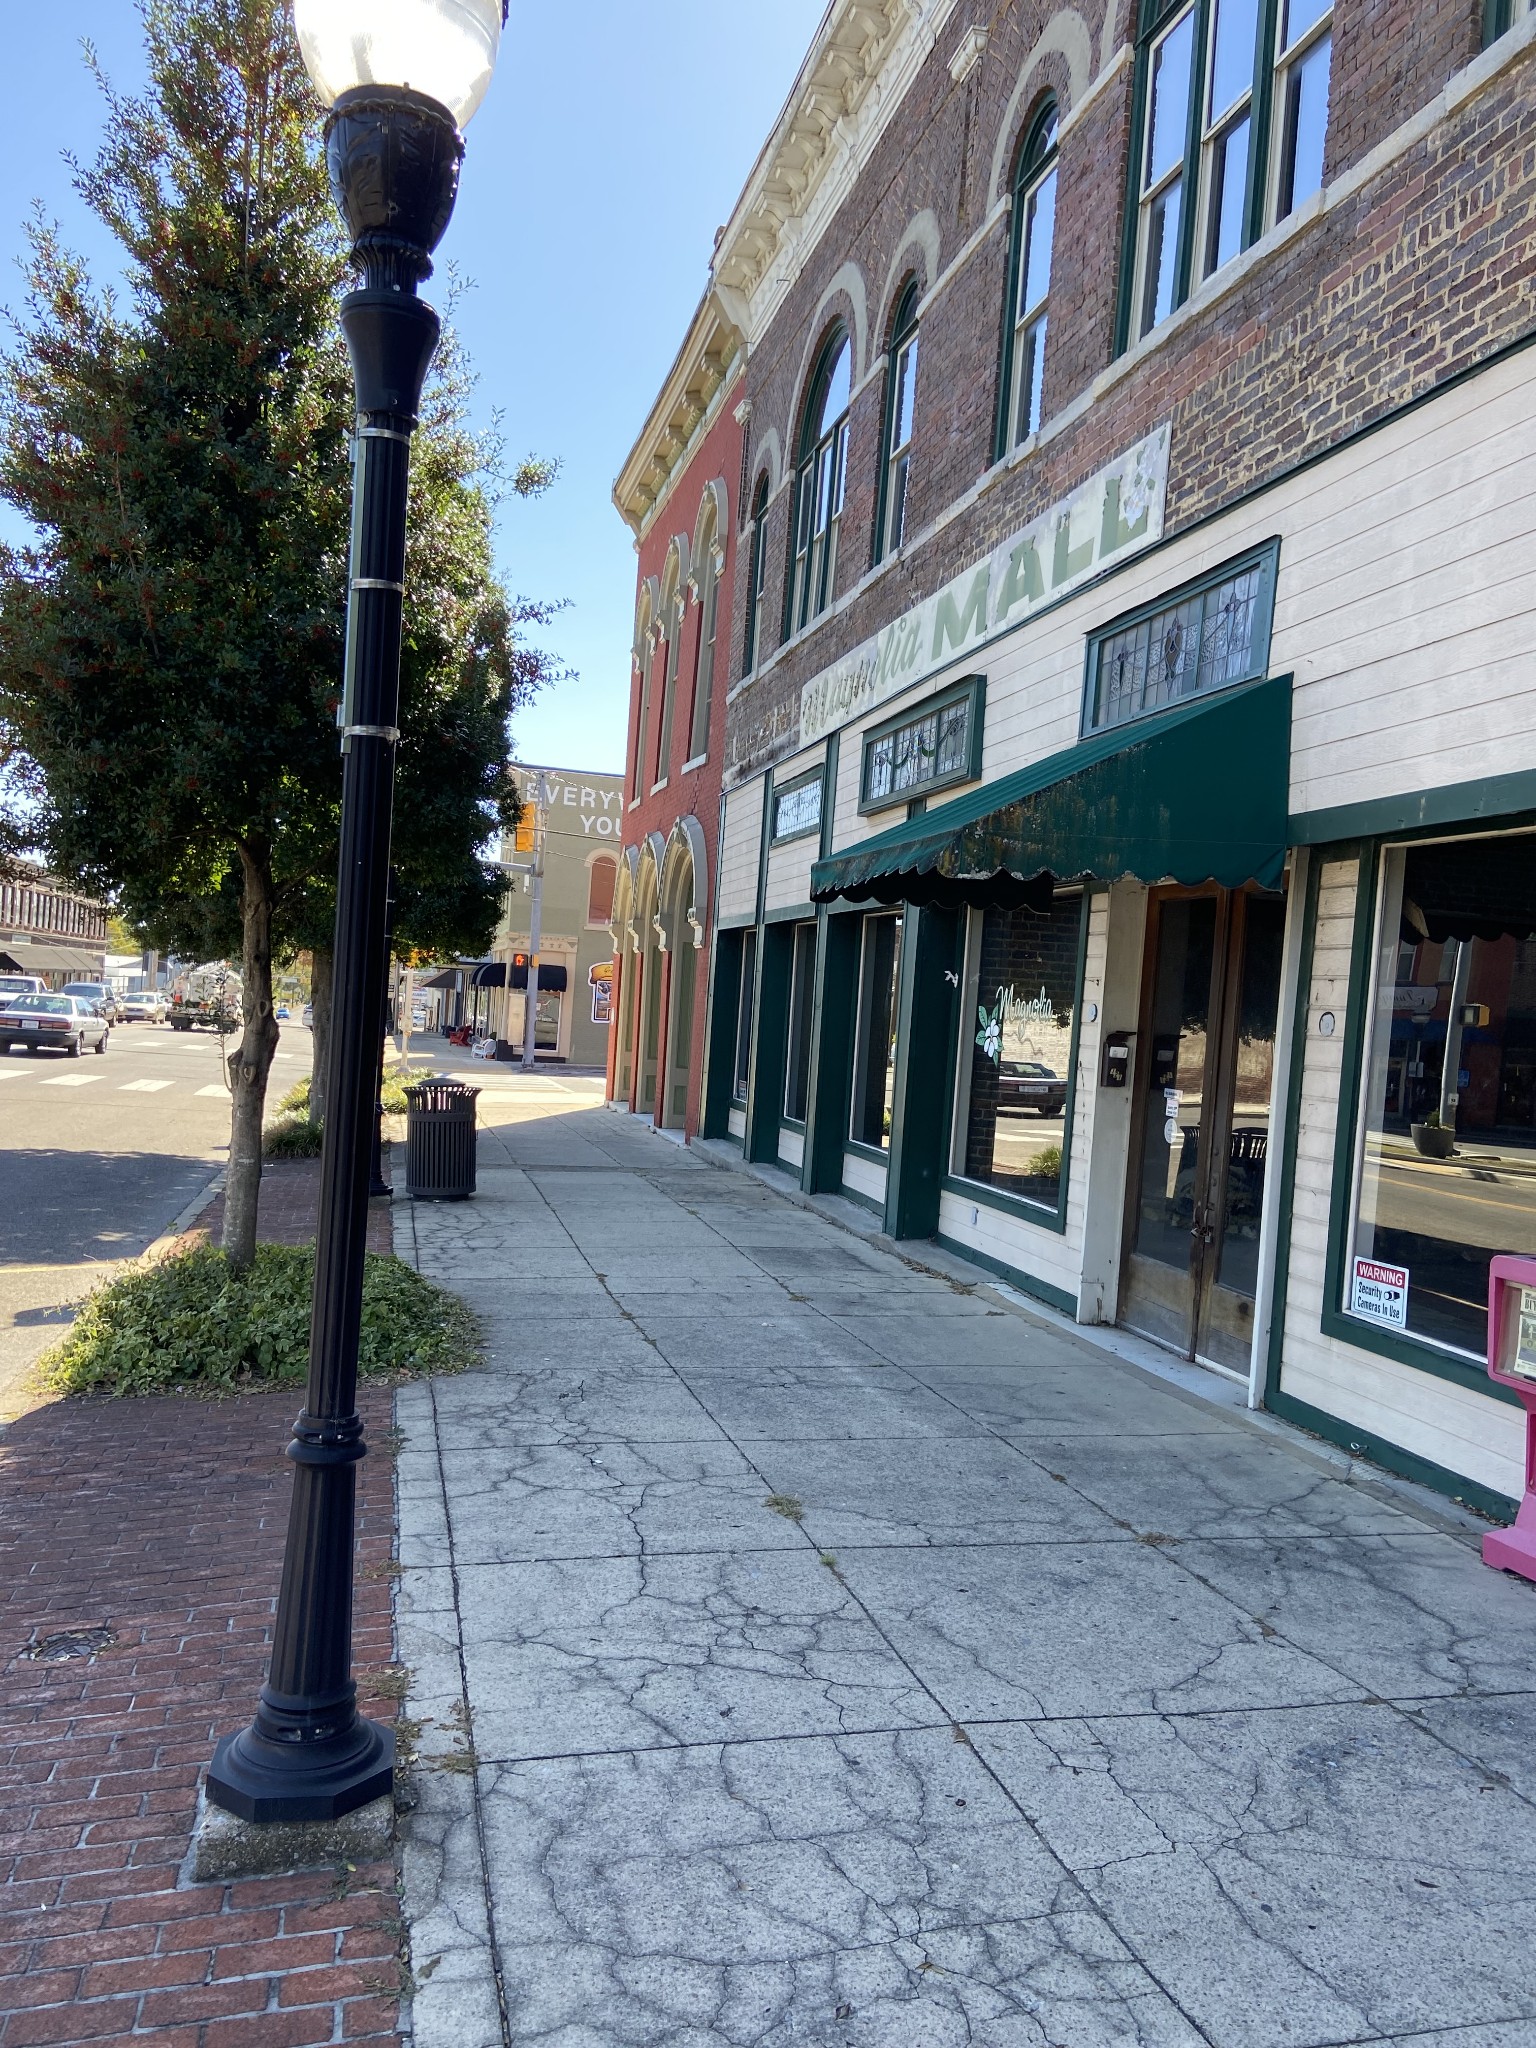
point(1379, 1293)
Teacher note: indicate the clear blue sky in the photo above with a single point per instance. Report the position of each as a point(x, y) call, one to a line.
point(598, 170)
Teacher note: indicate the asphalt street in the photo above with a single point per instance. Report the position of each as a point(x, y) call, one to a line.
point(97, 1157)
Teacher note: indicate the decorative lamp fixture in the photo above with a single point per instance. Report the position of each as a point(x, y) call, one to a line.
point(399, 78)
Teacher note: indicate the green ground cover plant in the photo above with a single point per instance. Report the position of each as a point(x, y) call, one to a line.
point(194, 1323)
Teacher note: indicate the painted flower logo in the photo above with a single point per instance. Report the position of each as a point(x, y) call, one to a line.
point(990, 1036)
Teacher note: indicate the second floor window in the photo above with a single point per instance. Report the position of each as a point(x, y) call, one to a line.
point(709, 622)
point(821, 478)
point(1233, 125)
point(1034, 232)
point(900, 395)
point(756, 572)
point(1502, 15)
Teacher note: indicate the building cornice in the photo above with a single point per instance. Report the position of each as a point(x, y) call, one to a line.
point(864, 56)
point(685, 408)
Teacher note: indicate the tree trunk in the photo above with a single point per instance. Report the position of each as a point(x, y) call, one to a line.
point(320, 1036)
point(250, 1063)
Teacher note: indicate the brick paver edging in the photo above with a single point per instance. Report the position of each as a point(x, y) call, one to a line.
point(162, 1521)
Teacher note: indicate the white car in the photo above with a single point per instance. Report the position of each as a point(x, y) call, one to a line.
point(60, 1023)
point(144, 1006)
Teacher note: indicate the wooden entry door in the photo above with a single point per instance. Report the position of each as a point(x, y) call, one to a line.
point(1200, 1135)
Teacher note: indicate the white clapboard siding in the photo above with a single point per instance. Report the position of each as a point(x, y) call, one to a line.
point(864, 1176)
point(736, 1123)
point(792, 1149)
point(740, 849)
point(789, 872)
point(1040, 1253)
point(1431, 1417)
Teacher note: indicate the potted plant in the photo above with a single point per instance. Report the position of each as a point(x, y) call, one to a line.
point(1434, 1139)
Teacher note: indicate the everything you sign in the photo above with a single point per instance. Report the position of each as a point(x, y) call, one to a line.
point(1116, 513)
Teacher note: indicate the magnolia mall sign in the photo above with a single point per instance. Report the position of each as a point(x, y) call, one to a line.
point(1116, 513)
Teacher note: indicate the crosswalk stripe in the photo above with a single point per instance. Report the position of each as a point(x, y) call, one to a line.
point(216, 1089)
point(143, 1087)
point(10, 1073)
point(72, 1080)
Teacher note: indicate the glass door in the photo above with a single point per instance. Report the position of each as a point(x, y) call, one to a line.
point(1200, 1138)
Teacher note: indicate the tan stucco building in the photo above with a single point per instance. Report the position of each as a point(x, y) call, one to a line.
point(568, 848)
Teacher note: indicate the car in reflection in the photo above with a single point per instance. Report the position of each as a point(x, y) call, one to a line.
point(57, 1023)
point(1029, 1085)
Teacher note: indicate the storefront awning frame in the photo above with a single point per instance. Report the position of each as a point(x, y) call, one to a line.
point(1199, 793)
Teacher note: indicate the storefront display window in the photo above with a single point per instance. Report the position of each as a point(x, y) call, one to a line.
point(1011, 1134)
point(874, 1051)
point(1447, 1152)
point(802, 993)
point(746, 988)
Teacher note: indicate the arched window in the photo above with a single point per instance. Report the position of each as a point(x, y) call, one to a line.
point(820, 480)
point(755, 578)
point(1029, 271)
point(672, 627)
point(709, 610)
point(602, 876)
point(900, 393)
point(642, 691)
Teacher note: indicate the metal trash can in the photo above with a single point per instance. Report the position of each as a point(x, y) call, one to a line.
point(440, 1140)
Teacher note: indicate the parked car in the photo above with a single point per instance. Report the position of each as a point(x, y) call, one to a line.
point(144, 1006)
point(63, 1023)
point(21, 985)
point(1027, 1084)
point(95, 992)
point(308, 1019)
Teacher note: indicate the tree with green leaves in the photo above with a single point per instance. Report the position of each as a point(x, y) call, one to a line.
point(170, 647)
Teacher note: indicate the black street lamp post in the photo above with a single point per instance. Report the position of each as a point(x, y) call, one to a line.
point(393, 149)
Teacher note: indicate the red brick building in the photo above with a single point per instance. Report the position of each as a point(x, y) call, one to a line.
point(679, 492)
point(1127, 866)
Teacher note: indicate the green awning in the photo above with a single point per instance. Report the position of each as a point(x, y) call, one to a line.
point(1196, 794)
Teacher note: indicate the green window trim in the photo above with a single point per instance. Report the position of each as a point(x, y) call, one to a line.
point(902, 360)
point(877, 1155)
point(1035, 165)
point(970, 689)
point(813, 777)
point(1263, 560)
point(1500, 16)
point(1405, 1349)
point(820, 484)
point(1187, 190)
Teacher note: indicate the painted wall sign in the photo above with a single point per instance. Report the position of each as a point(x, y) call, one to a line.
point(1115, 514)
point(1379, 1294)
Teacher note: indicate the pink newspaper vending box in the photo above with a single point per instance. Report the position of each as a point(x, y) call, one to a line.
point(1512, 1363)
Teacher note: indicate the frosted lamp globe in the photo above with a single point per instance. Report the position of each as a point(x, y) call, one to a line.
point(443, 48)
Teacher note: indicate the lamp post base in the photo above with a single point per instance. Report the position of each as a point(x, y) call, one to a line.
point(267, 1781)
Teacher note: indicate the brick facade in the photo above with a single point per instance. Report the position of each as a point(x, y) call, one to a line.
point(662, 793)
point(1417, 266)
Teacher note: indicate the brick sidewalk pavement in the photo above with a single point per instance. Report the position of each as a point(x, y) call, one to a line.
point(161, 1521)
point(289, 1200)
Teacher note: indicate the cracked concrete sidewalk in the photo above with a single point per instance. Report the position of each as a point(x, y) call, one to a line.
point(809, 1650)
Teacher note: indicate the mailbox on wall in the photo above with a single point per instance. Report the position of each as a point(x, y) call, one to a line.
point(1512, 1363)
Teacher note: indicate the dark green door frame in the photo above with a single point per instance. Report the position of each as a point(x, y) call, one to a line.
point(770, 1040)
point(826, 1123)
point(720, 1036)
point(932, 960)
